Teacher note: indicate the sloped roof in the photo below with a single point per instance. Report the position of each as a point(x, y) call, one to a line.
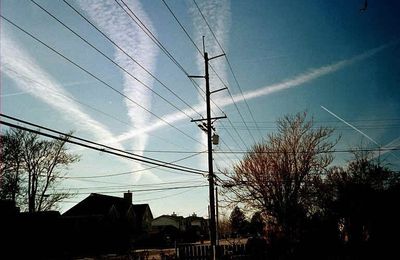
point(99, 204)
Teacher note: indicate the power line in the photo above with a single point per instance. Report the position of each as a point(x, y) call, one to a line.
point(110, 150)
point(132, 185)
point(316, 151)
point(163, 151)
point(130, 172)
point(237, 157)
point(98, 79)
point(243, 152)
point(134, 60)
point(168, 196)
point(233, 139)
point(334, 121)
point(146, 190)
point(366, 127)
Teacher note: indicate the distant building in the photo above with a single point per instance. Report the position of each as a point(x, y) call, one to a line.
point(201, 224)
point(177, 222)
point(172, 227)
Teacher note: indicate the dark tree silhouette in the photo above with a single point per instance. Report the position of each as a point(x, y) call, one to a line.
point(237, 220)
point(360, 200)
point(32, 168)
point(257, 224)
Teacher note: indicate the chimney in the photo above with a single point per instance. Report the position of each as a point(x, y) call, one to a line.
point(128, 197)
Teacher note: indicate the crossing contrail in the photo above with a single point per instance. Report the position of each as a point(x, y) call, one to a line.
point(352, 126)
point(364, 134)
point(117, 25)
point(22, 68)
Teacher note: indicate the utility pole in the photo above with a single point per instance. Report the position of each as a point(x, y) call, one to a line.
point(208, 130)
point(216, 212)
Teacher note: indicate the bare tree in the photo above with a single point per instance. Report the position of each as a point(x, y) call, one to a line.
point(10, 167)
point(40, 163)
point(276, 177)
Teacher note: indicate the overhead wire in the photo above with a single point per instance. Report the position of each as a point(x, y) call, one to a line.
point(98, 79)
point(146, 190)
point(131, 172)
point(133, 185)
point(171, 195)
point(316, 151)
point(151, 199)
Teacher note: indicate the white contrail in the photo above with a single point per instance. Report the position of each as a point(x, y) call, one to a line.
point(19, 66)
point(386, 148)
point(75, 83)
point(306, 77)
point(376, 154)
point(117, 25)
point(218, 16)
point(393, 144)
point(347, 123)
point(14, 94)
point(267, 90)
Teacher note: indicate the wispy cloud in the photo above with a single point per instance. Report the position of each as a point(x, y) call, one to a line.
point(115, 23)
point(19, 66)
point(264, 91)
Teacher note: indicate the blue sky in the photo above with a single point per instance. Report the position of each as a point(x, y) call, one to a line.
point(288, 57)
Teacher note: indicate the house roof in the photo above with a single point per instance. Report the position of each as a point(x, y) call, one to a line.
point(99, 204)
point(174, 217)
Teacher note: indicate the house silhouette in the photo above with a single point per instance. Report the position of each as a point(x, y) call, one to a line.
point(104, 224)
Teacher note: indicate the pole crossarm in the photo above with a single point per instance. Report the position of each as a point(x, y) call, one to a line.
point(205, 119)
point(218, 90)
point(223, 54)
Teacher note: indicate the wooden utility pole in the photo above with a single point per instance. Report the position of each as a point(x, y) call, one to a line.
point(217, 215)
point(213, 230)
